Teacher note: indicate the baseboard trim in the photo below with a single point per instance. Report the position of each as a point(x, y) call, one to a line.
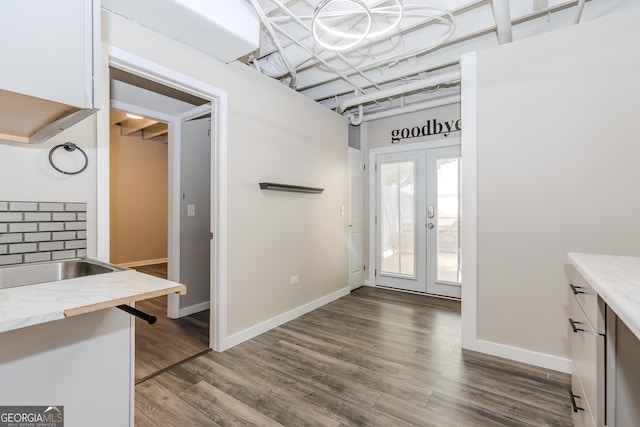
point(254, 331)
point(143, 262)
point(195, 308)
point(530, 357)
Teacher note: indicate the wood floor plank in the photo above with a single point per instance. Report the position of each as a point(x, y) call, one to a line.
point(167, 409)
point(325, 391)
point(410, 414)
point(168, 340)
point(372, 358)
point(224, 409)
point(239, 383)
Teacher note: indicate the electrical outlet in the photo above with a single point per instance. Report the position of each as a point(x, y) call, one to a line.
point(294, 280)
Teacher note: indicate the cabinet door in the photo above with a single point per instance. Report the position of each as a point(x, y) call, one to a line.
point(47, 50)
point(587, 361)
point(83, 363)
point(627, 377)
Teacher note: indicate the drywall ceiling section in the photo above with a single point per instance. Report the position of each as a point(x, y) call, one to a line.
point(199, 24)
point(133, 95)
point(123, 76)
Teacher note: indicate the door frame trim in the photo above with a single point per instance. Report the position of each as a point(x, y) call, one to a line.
point(373, 152)
point(118, 58)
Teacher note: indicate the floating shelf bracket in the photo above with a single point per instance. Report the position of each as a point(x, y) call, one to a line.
point(291, 188)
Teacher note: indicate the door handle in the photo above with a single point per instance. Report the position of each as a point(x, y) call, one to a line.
point(431, 212)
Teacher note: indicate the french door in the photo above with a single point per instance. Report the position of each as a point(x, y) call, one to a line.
point(418, 221)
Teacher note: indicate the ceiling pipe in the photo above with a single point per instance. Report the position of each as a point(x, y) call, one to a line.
point(579, 12)
point(502, 16)
point(437, 79)
point(418, 106)
point(356, 121)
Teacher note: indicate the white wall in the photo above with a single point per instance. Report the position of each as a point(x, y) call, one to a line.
point(138, 205)
point(27, 174)
point(557, 167)
point(379, 131)
point(274, 134)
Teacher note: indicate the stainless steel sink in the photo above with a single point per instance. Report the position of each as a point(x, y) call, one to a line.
point(50, 271)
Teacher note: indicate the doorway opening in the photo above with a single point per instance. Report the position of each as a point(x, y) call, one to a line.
point(417, 221)
point(150, 125)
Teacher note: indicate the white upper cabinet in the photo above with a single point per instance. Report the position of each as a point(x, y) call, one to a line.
point(48, 66)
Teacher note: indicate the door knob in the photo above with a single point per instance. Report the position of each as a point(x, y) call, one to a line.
point(430, 226)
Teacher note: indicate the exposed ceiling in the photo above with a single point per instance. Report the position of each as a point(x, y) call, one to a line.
point(414, 66)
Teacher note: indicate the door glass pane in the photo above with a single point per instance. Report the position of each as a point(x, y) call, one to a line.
point(398, 218)
point(448, 241)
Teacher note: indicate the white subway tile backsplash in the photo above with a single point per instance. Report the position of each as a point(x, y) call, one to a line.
point(51, 207)
point(75, 244)
point(50, 246)
point(16, 227)
point(10, 259)
point(11, 238)
point(64, 216)
point(37, 216)
point(63, 235)
point(37, 237)
point(63, 255)
point(23, 206)
point(21, 248)
point(42, 231)
point(75, 225)
point(51, 226)
point(75, 207)
point(37, 257)
point(10, 216)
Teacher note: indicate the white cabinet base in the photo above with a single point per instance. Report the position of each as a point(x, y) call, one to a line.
point(83, 363)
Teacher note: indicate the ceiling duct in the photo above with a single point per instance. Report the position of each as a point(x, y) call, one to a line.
point(431, 81)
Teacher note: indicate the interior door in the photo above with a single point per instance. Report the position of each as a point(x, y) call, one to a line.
point(195, 207)
point(418, 221)
point(356, 242)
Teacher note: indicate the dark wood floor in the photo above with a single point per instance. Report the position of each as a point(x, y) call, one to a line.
point(168, 341)
point(373, 358)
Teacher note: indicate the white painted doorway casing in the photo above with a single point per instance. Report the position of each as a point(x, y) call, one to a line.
point(118, 58)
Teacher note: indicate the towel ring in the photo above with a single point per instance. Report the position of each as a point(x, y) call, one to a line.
point(68, 146)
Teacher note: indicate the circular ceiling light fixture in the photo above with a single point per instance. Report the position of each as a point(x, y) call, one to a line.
point(344, 24)
point(331, 16)
point(397, 9)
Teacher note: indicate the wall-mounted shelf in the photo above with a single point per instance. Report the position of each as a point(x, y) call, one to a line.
point(291, 188)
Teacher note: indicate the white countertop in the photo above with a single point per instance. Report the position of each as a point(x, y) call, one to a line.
point(43, 302)
point(617, 280)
